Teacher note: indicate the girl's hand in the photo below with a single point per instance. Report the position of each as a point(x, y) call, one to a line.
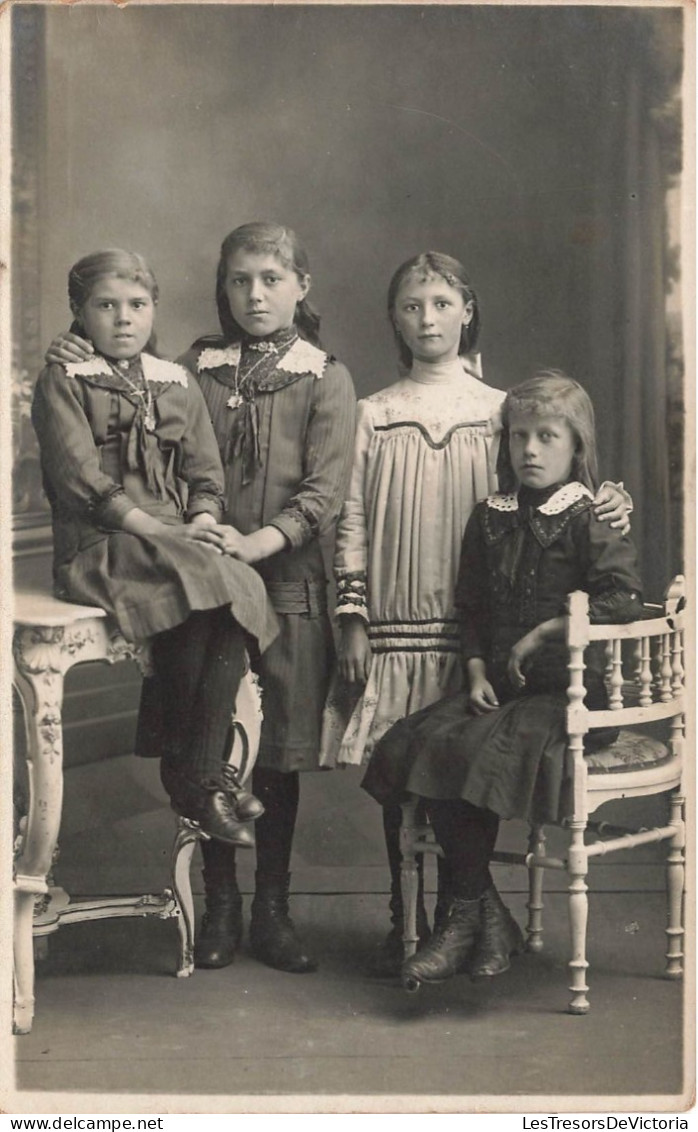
point(518, 656)
point(355, 651)
point(226, 538)
point(200, 532)
point(482, 696)
point(252, 548)
point(611, 506)
point(69, 348)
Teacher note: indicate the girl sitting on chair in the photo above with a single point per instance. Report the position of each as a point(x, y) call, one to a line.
point(135, 482)
point(497, 749)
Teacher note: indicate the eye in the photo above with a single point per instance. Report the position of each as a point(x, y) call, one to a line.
point(236, 281)
point(410, 308)
point(105, 304)
point(138, 304)
point(271, 280)
point(442, 304)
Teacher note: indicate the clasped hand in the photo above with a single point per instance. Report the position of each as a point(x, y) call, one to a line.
point(225, 539)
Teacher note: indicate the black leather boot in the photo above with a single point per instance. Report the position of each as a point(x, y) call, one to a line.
point(220, 931)
point(500, 938)
point(245, 805)
point(449, 948)
point(273, 938)
point(217, 817)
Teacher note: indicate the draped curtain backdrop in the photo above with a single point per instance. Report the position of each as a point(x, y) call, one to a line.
point(638, 116)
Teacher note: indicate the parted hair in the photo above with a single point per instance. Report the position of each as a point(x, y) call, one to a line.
point(551, 393)
point(111, 262)
point(423, 266)
point(265, 237)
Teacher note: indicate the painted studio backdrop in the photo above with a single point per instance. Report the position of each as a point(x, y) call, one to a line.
point(541, 146)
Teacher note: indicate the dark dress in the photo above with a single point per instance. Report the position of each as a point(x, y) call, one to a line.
point(283, 413)
point(99, 461)
point(522, 555)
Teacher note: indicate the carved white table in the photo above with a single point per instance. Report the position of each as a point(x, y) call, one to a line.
point(50, 637)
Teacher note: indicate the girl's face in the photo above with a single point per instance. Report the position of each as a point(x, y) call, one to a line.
point(262, 292)
point(430, 314)
point(541, 448)
point(118, 317)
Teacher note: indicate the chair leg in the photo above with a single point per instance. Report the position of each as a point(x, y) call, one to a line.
point(534, 927)
point(409, 877)
point(577, 867)
point(675, 883)
point(187, 835)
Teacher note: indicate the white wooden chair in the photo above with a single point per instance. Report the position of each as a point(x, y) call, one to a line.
point(646, 685)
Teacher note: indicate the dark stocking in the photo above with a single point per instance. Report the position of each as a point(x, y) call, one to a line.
point(279, 794)
point(467, 835)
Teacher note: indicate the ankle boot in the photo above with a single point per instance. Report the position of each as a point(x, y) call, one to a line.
point(448, 950)
point(245, 805)
point(218, 819)
point(273, 937)
point(220, 931)
point(500, 938)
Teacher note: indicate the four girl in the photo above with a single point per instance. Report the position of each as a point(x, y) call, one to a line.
point(425, 453)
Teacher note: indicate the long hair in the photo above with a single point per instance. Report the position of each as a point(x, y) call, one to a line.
point(424, 265)
point(551, 393)
point(265, 237)
point(115, 262)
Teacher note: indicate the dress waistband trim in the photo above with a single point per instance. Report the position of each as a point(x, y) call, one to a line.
point(298, 597)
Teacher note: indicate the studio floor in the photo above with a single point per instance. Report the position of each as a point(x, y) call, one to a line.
point(115, 1031)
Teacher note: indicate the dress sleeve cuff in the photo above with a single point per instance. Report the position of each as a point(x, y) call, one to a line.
point(205, 505)
point(351, 595)
point(111, 510)
point(294, 527)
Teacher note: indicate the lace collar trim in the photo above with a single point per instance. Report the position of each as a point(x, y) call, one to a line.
point(155, 370)
point(302, 358)
point(559, 501)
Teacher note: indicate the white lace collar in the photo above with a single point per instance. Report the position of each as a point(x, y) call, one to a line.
point(154, 369)
point(303, 357)
point(559, 501)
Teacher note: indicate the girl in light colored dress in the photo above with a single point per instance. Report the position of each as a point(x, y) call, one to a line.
point(426, 453)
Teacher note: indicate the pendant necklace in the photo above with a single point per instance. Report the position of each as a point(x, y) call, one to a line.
point(265, 348)
point(144, 395)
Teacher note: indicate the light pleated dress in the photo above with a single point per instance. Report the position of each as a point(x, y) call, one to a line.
point(425, 454)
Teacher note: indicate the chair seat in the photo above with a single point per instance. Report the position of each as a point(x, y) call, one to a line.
point(631, 751)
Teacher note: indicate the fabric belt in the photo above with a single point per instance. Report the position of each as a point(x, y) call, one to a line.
point(298, 597)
